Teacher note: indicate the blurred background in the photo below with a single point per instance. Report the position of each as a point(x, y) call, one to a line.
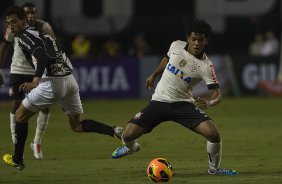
point(115, 44)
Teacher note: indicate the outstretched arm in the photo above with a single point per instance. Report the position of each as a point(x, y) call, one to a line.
point(213, 99)
point(151, 79)
point(3, 53)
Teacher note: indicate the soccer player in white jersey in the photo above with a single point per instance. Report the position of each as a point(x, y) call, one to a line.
point(184, 67)
point(53, 82)
point(21, 71)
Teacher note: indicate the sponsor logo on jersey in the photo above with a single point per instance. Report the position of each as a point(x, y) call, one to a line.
point(180, 74)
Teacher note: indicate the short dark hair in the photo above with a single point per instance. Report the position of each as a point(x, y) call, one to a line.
point(15, 10)
point(28, 4)
point(200, 26)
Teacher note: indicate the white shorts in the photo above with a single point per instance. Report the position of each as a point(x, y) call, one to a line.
point(63, 90)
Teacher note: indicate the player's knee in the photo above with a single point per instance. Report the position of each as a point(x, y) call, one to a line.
point(214, 137)
point(76, 127)
point(127, 137)
point(132, 132)
point(21, 116)
point(75, 124)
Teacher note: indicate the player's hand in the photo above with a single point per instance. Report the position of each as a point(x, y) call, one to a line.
point(1, 81)
point(202, 103)
point(27, 86)
point(150, 82)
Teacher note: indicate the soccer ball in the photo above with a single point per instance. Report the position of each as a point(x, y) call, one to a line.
point(159, 170)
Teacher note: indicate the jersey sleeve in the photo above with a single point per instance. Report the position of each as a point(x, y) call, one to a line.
point(209, 76)
point(29, 44)
point(170, 49)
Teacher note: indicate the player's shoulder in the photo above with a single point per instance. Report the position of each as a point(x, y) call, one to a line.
point(178, 44)
point(207, 59)
point(31, 30)
point(30, 35)
point(206, 64)
point(40, 21)
point(42, 24)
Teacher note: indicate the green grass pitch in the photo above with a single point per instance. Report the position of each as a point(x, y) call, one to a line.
point(251, 129)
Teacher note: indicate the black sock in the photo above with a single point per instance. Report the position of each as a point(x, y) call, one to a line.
point(21, 131)
point(94, 126)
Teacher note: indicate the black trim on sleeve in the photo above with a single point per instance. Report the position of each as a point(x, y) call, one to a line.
point(213, 86)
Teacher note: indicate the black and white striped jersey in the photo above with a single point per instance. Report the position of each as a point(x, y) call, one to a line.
point(19, 63)
point(31, 39)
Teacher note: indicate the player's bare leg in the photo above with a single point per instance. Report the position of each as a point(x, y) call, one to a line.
point(214, 145)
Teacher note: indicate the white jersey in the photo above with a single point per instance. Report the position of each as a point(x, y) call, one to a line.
point(182, 73)
point(19, 64)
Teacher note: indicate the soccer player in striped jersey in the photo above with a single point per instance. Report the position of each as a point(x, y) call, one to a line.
point(185, 65)
point(20, 72)
point(53, 82)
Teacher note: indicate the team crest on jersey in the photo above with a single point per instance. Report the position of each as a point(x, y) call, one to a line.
point(182, 63)
point(194, 67)
point(138, 115)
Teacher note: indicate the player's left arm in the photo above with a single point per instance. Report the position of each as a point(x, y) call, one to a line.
point(42, 59)
point(213, 98)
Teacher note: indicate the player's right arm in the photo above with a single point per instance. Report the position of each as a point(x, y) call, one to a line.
point(3, 53)
point(151, 79)
point(8, 38)
point(47, 28)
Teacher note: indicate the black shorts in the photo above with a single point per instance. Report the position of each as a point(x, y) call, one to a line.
point(184, 113)
point(15, 81)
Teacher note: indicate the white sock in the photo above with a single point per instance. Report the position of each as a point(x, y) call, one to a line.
point(13, 127)
point(214, 154)
point(42, 121)
point(134, 146)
